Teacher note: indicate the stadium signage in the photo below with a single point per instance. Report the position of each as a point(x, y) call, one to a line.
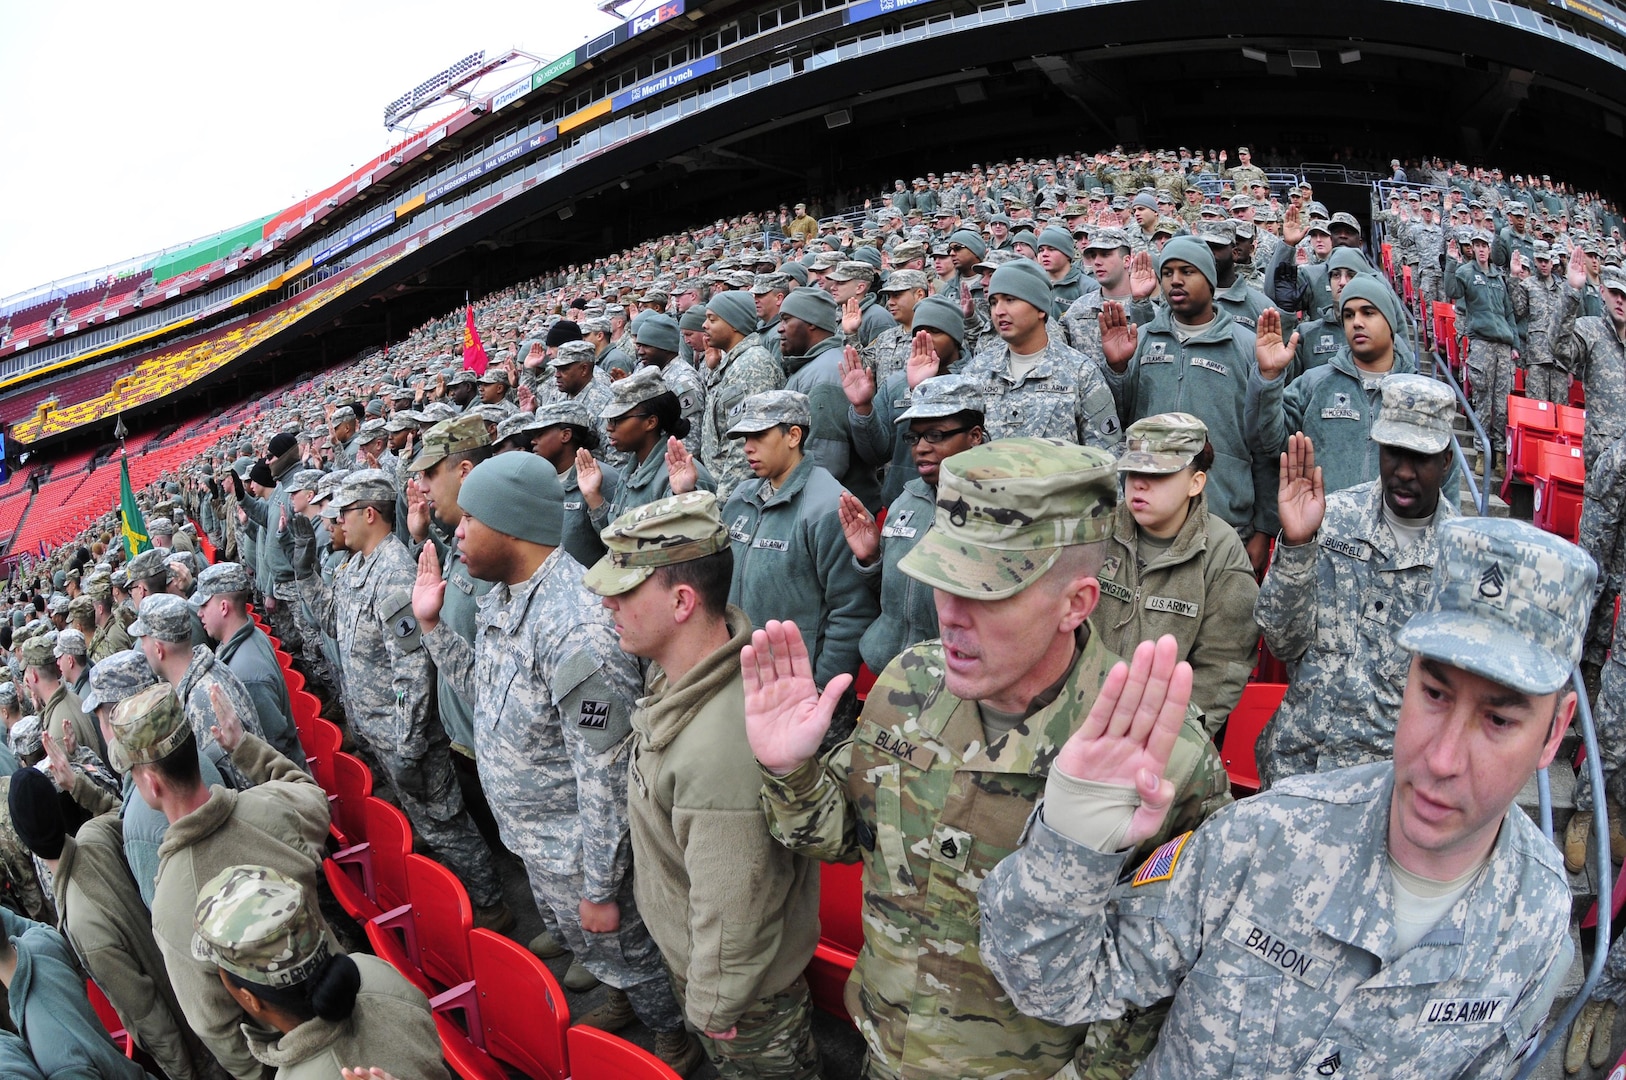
point(354, 238)
point(651, 19)
point(873, 8)
point(509, 95)
point(662, 83)
point(491, 163)
point(1594, 13)
point(553, 70)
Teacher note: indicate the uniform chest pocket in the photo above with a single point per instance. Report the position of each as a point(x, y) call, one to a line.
point(887, 837)
point(1244, 1004)
point(1381, 619)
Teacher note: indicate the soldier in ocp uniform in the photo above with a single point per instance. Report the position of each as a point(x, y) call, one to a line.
point(1400, 919)
point(936, 785)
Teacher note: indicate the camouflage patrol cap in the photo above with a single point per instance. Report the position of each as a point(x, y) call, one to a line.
point(769, 409)
point(1416, 414)
point(565, 412)
point(463, 377)
point(361, 486)
point(767, 283)
point(37, 651)
point(116, 677)
point(1217, 233)
point(852, 270)
point(1108, 239)
point(371, 431)
point(329, 484)
point(256, 924)
point(1161, 444)
point(160, 526)
point(305, 480)
point(495, 376)
point(903, 280)
point(436, 411)
point(221, 579)
point(909, 249)
point(573, 352)
point(466, 432)
point(943, 395)
point(1347, 220)
point(1006, 509)
point(8, 694)
point(827, 260)
point(58, 604)
point(676, 529)
point(1510, 603)
point(120, 579)
point(1612, 279)
point(597, 324)
point(1540, 249)
point(28, 737)
point(146, 727)
point(629, 393)
point(148, 564)
point(82, 608)
point(404, 420)
point(165, 617)
point(70, 643)
point(519, 423)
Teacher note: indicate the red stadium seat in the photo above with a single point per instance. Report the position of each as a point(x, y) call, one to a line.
point(110, 1019)
point(352, 784)
point(430, 932)
point(1259, 703)
point(1560, 489)
point(841, 935)
point(513, 1012)
point(598, 1055)
point(370, 878)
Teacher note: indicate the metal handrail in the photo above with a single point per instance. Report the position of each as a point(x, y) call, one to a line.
point(1481, 496)
point(1605, 901)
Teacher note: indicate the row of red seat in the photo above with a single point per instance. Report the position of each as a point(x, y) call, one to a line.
point(1544, 450)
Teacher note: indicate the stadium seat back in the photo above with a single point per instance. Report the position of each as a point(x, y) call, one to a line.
point(352, 784)
point(1259, 703)
point(443, 918)
point(598, 1055)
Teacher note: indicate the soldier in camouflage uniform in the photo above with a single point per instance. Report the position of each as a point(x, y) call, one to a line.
point(888, 352)
point(1061, 395)
point(1535, 302)
point(950, 756)
point(1399, 919)
point(22, 889)
point(1350, 568)
point(387, 682)
point(743, 368)
point(110, 636)
point(657, 346)
point(553, 695)
point(263, 931)
point(696, 821)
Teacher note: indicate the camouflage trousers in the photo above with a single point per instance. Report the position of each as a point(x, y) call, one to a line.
point(1547, 382)
point(284, 622)
point(1427, 283)
point(773, 1038)
point(626, 958)
point(21, 882)
point(1490, 367)
point(432, 800)
point(1609, 716)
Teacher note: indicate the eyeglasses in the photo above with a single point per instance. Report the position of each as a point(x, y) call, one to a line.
point(952, 248)
point(935, 437)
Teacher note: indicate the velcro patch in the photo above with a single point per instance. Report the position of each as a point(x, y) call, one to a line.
point(1159, 866)
point(1290, 956)
point(894, 745)
point(593, 714)
point(771, 544)
point(1210, 365)
point(1340, 414)
point(1170, 605)
point(1464, 1011)
point(1117, 591)
point(1355, 549)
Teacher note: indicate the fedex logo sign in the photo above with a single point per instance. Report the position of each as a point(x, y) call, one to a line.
point(651, 19)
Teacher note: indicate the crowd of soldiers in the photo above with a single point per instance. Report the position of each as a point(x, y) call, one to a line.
point(1041, 451)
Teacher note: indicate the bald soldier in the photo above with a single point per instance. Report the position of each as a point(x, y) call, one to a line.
point(949, 758)
point(1399, 919)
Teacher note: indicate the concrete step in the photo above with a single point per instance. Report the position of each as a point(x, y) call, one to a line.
point(1562, 780)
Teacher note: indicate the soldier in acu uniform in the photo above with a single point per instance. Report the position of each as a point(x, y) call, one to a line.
point(1535, 302)
point(949, 758)
point(1399, 919)
point(743, 368)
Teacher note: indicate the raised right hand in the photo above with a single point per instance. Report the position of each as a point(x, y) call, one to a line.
point(428, 590)
point(859, 527)
point(857, 381)
point(785, 715)
point(1270, 352)
point(1577, 271)
point(1301, 496)
point(589, 478)
point(1117, 335)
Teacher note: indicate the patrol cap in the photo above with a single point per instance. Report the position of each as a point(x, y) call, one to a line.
point(597, 324)
point(256, 924)
point(1318, 225)
point(1108, 239)
point(1612, 279)
point(436, 411)
point(1510, 603)
point(767, 283)
point(904, 280)
point(160, 526)
point(573, 352)
point(769, 409)
point(221, 579)
point(146, 727)
point(936, 313)
point(371, 431)
point(118, 676)
point(908, 250)
point(305, 480)
point(629, 393)
point(466, 432)
point(404, 420)
point(565, 412)
point(37, 652)
point(164, 616)
point(519, 423)
point(1481, 236)
point(1162, 444)
point(854, 270)
point(518, 495)
point(1341, 218)
point(82, 608)
point(1006, 509)
point(364, 486)
point(1416, 414)
point(495, 376)
point(28, 737)
point(677, 529)
point(943, 395)
point(69, 643)
point(1220, 233)
point(8, 694)
point(1540, 249)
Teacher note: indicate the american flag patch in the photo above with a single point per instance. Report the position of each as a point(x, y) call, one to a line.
point(1160, 866)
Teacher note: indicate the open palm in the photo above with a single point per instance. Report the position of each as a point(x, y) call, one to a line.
point(785, 715)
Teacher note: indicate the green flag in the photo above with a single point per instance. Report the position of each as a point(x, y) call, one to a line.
point(135, 526)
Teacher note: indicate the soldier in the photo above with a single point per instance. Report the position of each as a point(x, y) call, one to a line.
point(281, 823)
point(657, 346)
point(949, 758)
point(1174, 568)
point(1535, 301)
point(164, 633)
point(742, 368)
point(851, 282)
point(1113, 266)
point(694, 805)
point(575, 378)
point(1035, 384)
point(886, 355)
point(221, 601)
point(110, 636)
point(368, 609)
point(103, 918)
point(263, 931)
point(1245, 173)
point(1352, 566)
point(1593, 349)
point(812, 359)
point(790, 557)
point(1399, 919)
point(1194, 358)
point(553, 696)
point(60, 710)
point(1428, 243)
point(1493, 341)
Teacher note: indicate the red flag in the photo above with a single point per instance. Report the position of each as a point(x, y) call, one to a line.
point(474, 353)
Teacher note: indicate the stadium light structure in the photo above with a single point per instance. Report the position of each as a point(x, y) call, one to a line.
point(430, 89)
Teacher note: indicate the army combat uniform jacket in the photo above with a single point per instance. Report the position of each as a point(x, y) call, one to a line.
point(929, 809)
point(1273, 927)
point(1331, 609)
point(1592, 348)
point(1063, 397)
point(744, 370)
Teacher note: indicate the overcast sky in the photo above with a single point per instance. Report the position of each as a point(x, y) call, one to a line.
point(134, 127)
